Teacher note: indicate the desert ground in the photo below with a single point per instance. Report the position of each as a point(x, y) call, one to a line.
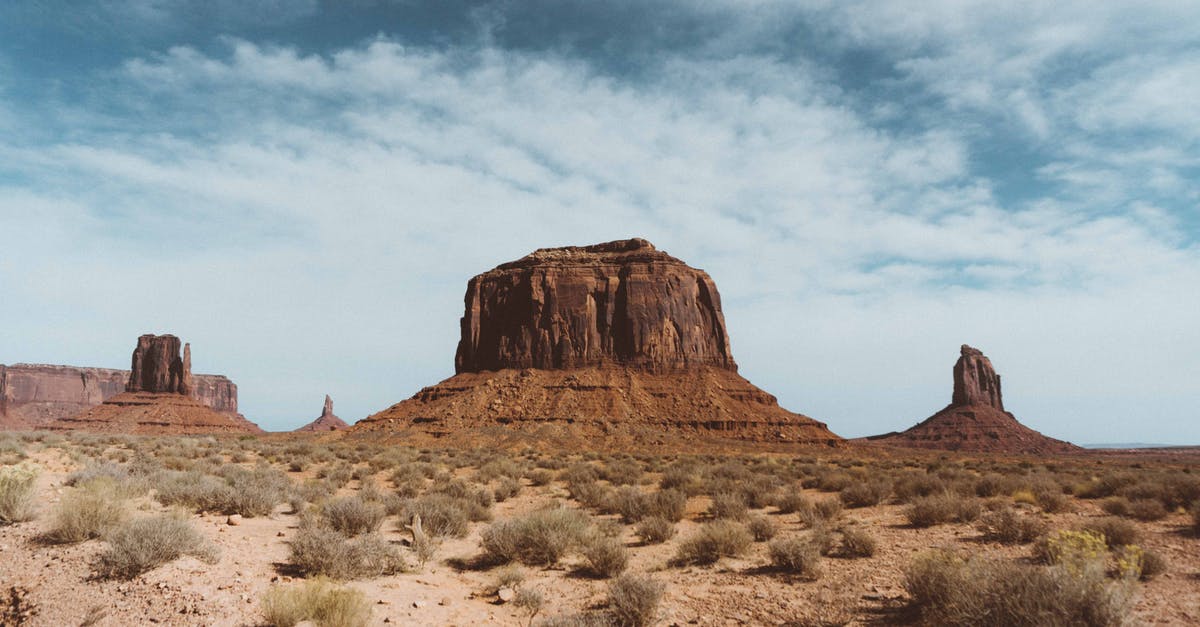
point(258, 530)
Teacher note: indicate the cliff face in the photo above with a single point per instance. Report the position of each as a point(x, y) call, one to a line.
point(622, 303)
point(157, 367)
point(614, 344)
point(34, 395)
point(975, 419)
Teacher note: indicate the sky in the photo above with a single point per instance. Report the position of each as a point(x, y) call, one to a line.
point(302, 188)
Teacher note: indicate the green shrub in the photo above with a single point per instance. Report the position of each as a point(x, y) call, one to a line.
point(634, 599)
point(796, 556)
point(714, 540)
point(655, 530)
point(540, 538)
point(316, 600)
point(16, 493)
point(143, 544)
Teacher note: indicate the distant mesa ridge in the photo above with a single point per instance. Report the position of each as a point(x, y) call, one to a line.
point(975, 419)
point(614, 342)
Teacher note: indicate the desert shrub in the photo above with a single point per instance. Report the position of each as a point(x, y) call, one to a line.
point(857, 542)
point(591, 494)
point(865, 494)
point(634, 599)
point(539, 538)
point(1052, 500)
point(669, 504)
point(912, 486)
point(540, 476)
point(936, 509)
point(762, 528)
point(143, 544)
point(630, 503)
point(834, 481)
point(441, 515)
point(337, 474)
point(681, 478)
point(606, 557)
point(1115, 505)
point(1072, 549)
point(16, 493)
point(1116, 532)
point(579, 472)
point(1147, 509)
point(506, 488)
point(655, 530)
point(714, 540)
point(822, 511)
point(797, 556)
point(1135, 562)
point(728, 505)
point(87, 512)
point(949, 590)
point(623, 472)
point(791, 502)
point(353, 515)
point(317, 600)
point(1104, 486)
point(117, 475)
point(319, 550)
point(1010, 527)
point(501, 467)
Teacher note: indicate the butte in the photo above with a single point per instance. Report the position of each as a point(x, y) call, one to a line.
point(603, 346)
point(327, 421)
point(975, 419)
point(157, 398)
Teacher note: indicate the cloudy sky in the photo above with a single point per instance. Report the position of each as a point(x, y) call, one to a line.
point(301, 189)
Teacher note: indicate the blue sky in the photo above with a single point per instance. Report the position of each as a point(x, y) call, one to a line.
point(301, 189)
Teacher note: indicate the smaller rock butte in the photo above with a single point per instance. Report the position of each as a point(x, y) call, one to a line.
point(327, 421)
point(157, 398)
point(975, 419)
point(607, 345)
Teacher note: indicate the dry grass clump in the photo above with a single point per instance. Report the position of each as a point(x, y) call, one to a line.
point(634, 599)
point(477, 502)
point(821, 512)
point(797, 556)
point(317, 600)
point(728, 506)
point(1147, 510)
point(237, 490)
point(89, 511)
point(143, 544)
point(762, 528)
point(866, 494)
point(606, 557)
point(936, 509)
point(655, 530)
point(16, 493)
point(540, 538)
point(1115, 531)
point(634, 505)
point(353, 515)
point(949, 590)
point(540, 477)
point(622, 472)
point(505, 489)
point(716, 539)
point(1010, 527)
point(441, 515)
point(857, 542)
point(318, 550)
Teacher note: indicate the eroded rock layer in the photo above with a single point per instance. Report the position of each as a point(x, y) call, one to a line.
point(327, 421)
point(975, 419)
point(604, 345)
point(149, 413)
point(35, 395)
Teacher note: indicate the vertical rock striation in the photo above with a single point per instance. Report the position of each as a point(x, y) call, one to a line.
point(157, 367)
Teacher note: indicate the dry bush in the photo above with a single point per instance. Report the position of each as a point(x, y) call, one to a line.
point(606, 557)
point(655, 530)
point(540, 477)
point(441, 515)
point(791, 502)
point(477, 502)
point(143, 544)
point(797, 556)
point(89, 511)
point(857, 542)
point(622, 472)
point(821, 512)
point(912, 486)
point(317, 600)
point(505, 489)
point(540, 538)
point(1010, 527)
point(667, 503)
point(318, 550)
point(865, 494)
point(353, 515)
point(683, 479)
point(634, 599)
point(1147, 509)
point(762, 528)
point(714, 540)
point(1141, 563)
point(629, 502)
point(1115, 505)
point(1116, 532)
point(926, 511)
point(16, 493)
point(728, 506)
point(949, 590)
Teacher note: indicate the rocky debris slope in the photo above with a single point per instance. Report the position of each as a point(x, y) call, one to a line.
point(327, 421)
point(35, 395)
point(603, 344)
point(975, 419)
point(157, 398)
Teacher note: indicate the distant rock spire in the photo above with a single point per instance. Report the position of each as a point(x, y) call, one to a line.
point(975, 381)
point(157, 368)
point(328, 410)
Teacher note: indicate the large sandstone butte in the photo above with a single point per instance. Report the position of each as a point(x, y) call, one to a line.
point(327, 421)
point(975, 419)
point(157, 398)
point(606, 345)
point(34, 395)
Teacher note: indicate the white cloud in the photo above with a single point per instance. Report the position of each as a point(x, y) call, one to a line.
point(309, 223)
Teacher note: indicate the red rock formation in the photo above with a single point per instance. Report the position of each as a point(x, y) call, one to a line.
point(975, 419)
point(327, 421)
point(157, 398)
point(35, 395)
point(604, 345)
